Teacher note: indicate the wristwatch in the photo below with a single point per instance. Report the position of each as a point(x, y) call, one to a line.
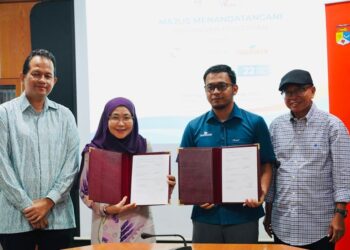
point(343, 212)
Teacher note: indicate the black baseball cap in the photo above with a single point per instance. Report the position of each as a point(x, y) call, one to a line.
point(296, 76)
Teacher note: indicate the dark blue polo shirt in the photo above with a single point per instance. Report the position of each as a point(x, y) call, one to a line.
point(242, 127)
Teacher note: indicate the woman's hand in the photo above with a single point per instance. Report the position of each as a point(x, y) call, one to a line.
point(119, 208)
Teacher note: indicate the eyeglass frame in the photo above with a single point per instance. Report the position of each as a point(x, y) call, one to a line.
point(118, 119)
point(220, 86)
point(299, 91)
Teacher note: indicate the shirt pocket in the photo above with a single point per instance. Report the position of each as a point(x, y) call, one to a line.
point(316, 150)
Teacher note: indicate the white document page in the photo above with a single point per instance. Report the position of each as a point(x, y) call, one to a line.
point(149, 182)
point(239, 174)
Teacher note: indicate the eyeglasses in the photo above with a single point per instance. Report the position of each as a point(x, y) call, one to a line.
point(117, 119)
point(221, 86)
point(296, 92)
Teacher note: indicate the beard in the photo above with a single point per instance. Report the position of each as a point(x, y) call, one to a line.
point(220, 106)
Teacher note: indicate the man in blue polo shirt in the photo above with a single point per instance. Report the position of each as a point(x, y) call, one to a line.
point(227, 125)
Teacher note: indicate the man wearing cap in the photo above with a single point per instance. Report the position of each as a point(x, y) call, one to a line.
point(306, 204)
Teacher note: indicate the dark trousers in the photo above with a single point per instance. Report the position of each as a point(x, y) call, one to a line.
point(241, 233)
point(322, 244)
point(44, 239)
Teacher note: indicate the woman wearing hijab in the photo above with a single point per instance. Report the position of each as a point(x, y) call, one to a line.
point(118, 131)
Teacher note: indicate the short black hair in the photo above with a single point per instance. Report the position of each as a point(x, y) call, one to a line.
point(39, 52)
point(221, 68)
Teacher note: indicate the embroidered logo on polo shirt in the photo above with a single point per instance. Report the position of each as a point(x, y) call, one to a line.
point(235, 140)
point(205, 133)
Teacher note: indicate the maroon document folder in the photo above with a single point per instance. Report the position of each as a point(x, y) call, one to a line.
point(200, 174)
point(110, 175)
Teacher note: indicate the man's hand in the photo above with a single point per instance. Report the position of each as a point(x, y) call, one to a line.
point(267, 226)
point(337, 228)
point(207, 206)
point(38, 210)
point(267, 219)
point(172, 182)
point(253, 202)
point(42, 224)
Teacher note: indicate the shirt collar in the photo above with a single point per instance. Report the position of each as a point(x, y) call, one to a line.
point(25, 104)
point(235, 113)
point(308, 115)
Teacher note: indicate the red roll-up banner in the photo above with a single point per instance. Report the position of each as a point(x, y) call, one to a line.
point(338, 47)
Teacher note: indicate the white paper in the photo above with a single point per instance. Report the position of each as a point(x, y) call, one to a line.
point(149, 179)
point(239, 174)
